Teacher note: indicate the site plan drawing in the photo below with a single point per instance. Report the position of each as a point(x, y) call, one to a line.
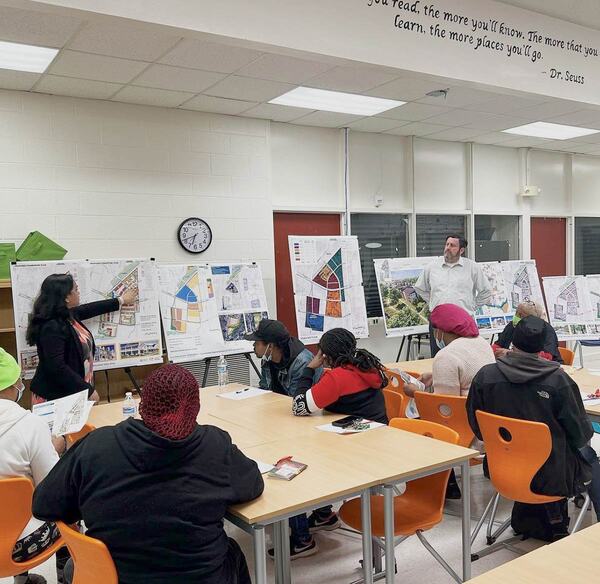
point(207, 309)
point(492, 318)
point(328, 290)
point(404, 311)
point(522, 283)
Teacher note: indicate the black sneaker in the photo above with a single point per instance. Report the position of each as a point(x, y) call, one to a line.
point(318, 523)
point(299, 550)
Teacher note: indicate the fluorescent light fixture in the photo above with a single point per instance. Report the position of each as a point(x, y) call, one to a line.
point(336, 101)
point(551, 131)
point(25, 57)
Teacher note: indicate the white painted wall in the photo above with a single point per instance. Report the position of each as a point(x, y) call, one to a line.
point(114, 180)
point(586, 185)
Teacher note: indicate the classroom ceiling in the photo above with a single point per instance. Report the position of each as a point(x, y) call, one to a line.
point(113, 59)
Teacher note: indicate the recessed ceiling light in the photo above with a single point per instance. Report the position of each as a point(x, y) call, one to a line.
point(336, 101)
point(551, 131)
point(25, 57)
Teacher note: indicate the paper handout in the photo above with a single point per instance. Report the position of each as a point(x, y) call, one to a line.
point(65, 415)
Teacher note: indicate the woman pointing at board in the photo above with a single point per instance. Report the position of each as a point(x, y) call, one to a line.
point(64, 344)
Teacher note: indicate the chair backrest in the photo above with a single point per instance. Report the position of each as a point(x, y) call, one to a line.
point(75, 436)
point(567, 355)
point(91, 558)
point(15, 495)
point(395, 382)
point(395, 404)
point(516, 450)
point(448, 410)
point(431, 489)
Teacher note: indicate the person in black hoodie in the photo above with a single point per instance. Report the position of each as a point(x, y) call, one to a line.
point(525, 386)
point(282, 357)
point(156, 490)
point(64, 344)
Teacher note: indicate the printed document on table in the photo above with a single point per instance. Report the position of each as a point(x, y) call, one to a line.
point(245, 393)
point(65, 415)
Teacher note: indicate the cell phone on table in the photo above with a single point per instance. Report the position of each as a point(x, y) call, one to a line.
point(345, 422)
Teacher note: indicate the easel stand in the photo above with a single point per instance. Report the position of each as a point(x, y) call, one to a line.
point(208, 361)
point(133, 380)
point(408, 339)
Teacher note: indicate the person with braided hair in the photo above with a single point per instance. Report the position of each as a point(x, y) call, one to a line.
point(352, 385)
point(156, 490)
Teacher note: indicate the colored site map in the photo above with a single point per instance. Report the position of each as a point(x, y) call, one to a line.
point(328, 286)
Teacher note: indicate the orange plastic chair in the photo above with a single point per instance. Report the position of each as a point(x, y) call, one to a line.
point(567, 355)
point(16, 494)
point(395, 404)
point(420, 507)
point(450, 411)
point(516, 450)
point(76, 436)
point(395, 382)
point(91, 559)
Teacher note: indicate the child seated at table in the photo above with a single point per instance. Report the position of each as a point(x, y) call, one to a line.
point(351, 385)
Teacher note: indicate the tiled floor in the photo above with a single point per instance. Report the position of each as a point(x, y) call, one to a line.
point(340, 551)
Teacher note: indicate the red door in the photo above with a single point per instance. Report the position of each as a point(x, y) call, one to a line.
point(549, 245)
point(285, 224)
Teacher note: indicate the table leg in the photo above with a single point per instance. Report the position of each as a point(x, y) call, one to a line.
point(282, 552)
point(365, 511)
point(466, 519)
point(260, 554)
point(390, 557)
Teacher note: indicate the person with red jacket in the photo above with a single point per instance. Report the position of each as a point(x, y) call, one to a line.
point(352, 385)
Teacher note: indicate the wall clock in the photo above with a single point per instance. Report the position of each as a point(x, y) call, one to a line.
point(194, 235)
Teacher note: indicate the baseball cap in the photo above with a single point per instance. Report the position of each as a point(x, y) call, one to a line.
point(529, 334)
point(269, 331)
point(9, 370)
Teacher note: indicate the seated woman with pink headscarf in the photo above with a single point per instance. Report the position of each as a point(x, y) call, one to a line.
point(462, 352)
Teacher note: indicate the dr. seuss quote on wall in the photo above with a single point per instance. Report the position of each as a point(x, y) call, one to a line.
point(517, 39)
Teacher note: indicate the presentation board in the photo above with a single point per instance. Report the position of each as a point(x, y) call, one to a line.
point(328, 287)
point(206, 309)
point(404, 311)
point(492, 318)
point(128, 337)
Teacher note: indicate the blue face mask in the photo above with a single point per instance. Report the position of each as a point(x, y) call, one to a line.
point(440, 342)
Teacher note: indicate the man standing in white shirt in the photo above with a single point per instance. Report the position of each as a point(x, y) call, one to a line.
point(453, 279)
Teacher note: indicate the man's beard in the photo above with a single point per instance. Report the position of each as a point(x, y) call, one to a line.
point(451, 258)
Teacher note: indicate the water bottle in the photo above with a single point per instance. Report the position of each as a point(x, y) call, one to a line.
point(129, 407)
point(222, 371)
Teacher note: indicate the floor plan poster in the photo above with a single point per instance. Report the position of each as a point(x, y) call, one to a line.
point(570, 307)
point(328, 288)
point(522, 283)
point(404, 311)
point(492, 317)
point(593, 284)
point(241, 301)
point(27, 278)
point(130, 336)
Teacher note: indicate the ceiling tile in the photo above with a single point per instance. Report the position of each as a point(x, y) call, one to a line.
point(283, 68)
point(590, 139)
point(151, 96)
point(492, 138)
point(549, 109)
point(18, 80)
point(77, 87)
point(246, 88)
point(209, 56)
point(575, 146)
point(455, 134)
point(178, 78)
point(579, 118)
point(218, 105)
point(460, 97)
point(277, 113)
point(458, 117)
point(415, 112)
point(406, 88)
point(326, 119)
point(526, 142)
point(351, 79)
point(375, 124)
point(120, 40)
point(36, 28)
point(496, 122)
point(506, 104)
point(95, 67)
point(417, 129)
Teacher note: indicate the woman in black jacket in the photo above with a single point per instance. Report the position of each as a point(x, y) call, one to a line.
point(64, 344)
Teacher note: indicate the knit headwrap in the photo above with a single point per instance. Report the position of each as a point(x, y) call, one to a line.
point(453, 319)
point(170, 402)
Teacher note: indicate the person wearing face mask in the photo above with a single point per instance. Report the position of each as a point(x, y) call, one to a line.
point(462, 352)
point(453, 279)
point(525, 309)
point(64, 344)
point(27, 450)
point(282, 357)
